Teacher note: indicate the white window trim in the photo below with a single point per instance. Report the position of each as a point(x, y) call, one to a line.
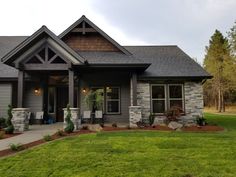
point(106, 101)
point(167, 98)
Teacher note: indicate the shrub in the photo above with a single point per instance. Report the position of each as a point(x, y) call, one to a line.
point(201, 121)
point(60, 132)
point(151, 118)
point(69, 124)
point(2, 123)
point(173, 113)
point(10, 128)
point(47, 137)
point(1, 135)
point(114, 125)
point(16, 147)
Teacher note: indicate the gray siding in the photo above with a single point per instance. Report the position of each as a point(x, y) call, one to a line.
point(121, 80)
point(32, 101)
point(5, 98)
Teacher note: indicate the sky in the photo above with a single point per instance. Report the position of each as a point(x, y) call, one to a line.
point(186, 23)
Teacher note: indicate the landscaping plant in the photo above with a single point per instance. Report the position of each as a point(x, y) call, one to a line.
point(201, 121)
point(47, 137)
point(16, 147)
point(1, 135)
point(173, 113)
point(10, 128)
point(60, 132)
point(69, 124)
point(151, 118)
point(2, 122)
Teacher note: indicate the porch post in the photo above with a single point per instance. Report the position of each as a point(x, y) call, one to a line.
point(20, 89)
point(71, 88)
point(134, 88)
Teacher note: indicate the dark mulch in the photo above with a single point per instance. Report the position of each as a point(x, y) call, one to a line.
point(7, 135)
point(156, 127)
point(206, 128)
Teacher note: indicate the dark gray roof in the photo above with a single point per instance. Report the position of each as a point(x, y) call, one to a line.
point(110, 58)
point(167, 61)
point(7, 43)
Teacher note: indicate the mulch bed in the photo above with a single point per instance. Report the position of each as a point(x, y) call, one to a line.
point(8, 135)
point(207, 128)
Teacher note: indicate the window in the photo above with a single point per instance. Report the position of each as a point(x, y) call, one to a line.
point(113, 100)
point(166, 96)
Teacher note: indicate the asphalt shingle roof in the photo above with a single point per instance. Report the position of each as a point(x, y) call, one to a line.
point(166, 61)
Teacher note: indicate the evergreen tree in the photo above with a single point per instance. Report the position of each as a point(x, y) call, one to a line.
point(218, 63)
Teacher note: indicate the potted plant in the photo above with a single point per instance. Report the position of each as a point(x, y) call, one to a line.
point(94, 99)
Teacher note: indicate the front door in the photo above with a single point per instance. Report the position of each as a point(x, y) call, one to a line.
point(62, 101)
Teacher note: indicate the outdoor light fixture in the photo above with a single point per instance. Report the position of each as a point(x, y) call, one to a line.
point(84, 90)
point(36, 91)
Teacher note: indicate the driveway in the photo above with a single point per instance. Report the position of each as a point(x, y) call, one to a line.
point(35, 132)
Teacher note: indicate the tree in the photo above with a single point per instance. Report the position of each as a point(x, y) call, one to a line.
point(10, 128)
point(218, 63)
point(232, 39)
point(69, 124)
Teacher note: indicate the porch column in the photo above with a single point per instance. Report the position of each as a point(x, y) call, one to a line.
point(20, 89)
point(134, 89)
point(71, 88)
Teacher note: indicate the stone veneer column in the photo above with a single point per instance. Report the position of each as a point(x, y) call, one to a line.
point(135, 115)
point(143, 99)
point(74, 117)
point(193, 101)
point(20, 119)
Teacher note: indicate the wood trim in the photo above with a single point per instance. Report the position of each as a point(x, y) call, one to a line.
point(71, 88)
point(45, 67)
point(134, 88)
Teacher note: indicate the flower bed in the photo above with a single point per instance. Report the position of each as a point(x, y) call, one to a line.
point(4, 136)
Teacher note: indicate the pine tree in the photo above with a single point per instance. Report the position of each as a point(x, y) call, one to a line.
point(217, 62)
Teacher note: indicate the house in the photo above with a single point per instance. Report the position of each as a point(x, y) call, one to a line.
point(45, 72)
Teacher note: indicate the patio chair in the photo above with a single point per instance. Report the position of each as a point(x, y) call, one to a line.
point(87, 116)
point(39, 117)
point(99, 116)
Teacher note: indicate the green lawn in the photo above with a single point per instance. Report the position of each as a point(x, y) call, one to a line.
point(136, 153)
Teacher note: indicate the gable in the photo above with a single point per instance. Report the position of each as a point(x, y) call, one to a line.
point(84, 35)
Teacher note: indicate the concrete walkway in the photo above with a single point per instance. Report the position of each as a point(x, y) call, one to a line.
point(35, 132)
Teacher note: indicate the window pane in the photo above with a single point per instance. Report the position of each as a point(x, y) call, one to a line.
point(113, 106)
point(112, 93)
point(175, 91)
point(158, 92)
point(176, 103)
point(158, 106)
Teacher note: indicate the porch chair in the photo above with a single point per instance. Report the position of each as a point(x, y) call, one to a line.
point(87, 116)
point(39, 117)
point(99, 116)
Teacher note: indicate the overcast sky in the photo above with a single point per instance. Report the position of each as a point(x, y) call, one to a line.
point(186, 23)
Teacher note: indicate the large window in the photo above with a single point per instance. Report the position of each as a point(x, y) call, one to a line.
point(112, 100)
point(166, 96)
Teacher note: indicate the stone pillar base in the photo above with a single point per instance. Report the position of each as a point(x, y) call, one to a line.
point(74, 117)
point(135, 115)
point(20, 119)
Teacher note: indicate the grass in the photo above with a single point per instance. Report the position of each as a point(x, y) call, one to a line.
point(135, 153)
point(228, 110)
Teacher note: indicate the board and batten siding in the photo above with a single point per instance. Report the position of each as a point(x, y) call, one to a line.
point(5, 98)
point(32, 101)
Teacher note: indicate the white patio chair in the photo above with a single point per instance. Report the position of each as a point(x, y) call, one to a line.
point(87, 116)
point(99, 115)
point(39, 117)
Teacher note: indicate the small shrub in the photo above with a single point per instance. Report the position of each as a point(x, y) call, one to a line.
point(173, 113)
point(1, 135)
point(101, 124)
point(201, 121)
point(151, 118)
point(47, 137)
point(10, 128)
point(16, 147)
point(114, 125)
point(2, 123)
point(85, 127)
point(60, 132)
point(69, 124)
